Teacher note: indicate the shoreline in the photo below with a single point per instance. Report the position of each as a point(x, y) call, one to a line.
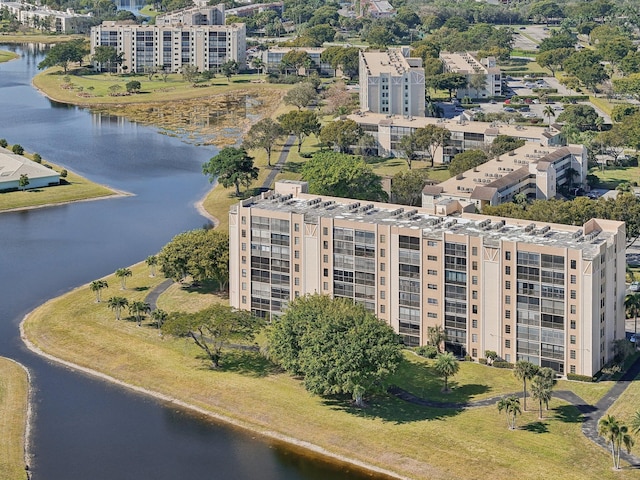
point(116, 194)
point(244, 425)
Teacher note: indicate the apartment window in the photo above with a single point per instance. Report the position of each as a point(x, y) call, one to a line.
point(325, 272)
point(432, 258)
point(474, 323)
point(325, 258)
point(382, 309)
point(507, 299)
point(572, 339)
point(382, 281)
point(474, 250)
point(296, 227)
point(474, 294)
point(507, 343)
point(382, 294)
point(507, 329)
point(244, 272)
point(507, 285)
point(382, 252)
point(432, 315)
point(383, 238)
point(244, 285)
point(296, 268)
point(244, 233)
point(573, 279)
point(431, 243)
point(474, 309)
point(573, 324)
point(432, 286)
point(244, 299)
point(325, 245)
point(296, 281)
point(296, 254)
point(572, 369)
point(244, 259)
point(474, 280)
point(296, 240)
point(507, 314)
point(325, 286)
point(432, 272)
point(244, 247)
point(382, 266)
point(572, 354)
point(573, 264)
point(244, 220)
point(474, 352)
point(507, 255)
point(573, 309)
point(474, 265)
point(325, 231)
point(474, 338)
point(507, 270)
point(432, 301)
point(573, 294)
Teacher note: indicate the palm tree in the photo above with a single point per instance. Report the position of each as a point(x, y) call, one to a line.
point(152, 261)
point(632, 307)
point(97, 286)
point(446, 366)
point(635, 423)
point(122, 274)
point(437, 337)
point(541, 387)
point(258, 64)
point(511, 406)
point(617, 435)
point(525, 371)
point(571, 172)
point(138, 309)
point(117, 304)
point(159, 316)
point(549, 112)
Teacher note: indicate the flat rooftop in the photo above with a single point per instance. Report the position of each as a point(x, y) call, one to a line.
point(390, 62)
point(531, 133)
point(12, 166)
point(493, 230)
point(462, 63)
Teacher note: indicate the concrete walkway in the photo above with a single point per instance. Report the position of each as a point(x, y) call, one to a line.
point(277, 168)
point(153, 295)
point(591, 414)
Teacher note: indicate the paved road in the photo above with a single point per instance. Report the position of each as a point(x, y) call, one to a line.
point(277, 168)
point(591, 414)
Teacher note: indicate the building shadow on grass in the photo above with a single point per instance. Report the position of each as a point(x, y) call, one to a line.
point(536, 427)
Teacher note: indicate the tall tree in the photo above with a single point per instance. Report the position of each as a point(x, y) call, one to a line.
point(117, 304)
point(97, 286)
point(466, 160)
point(62, 54)
point(449, 81)
point(108, 56)
point(300, 123)
point(525, 371)
point(160, 316)
point(123, 274)
point(301, 95)
point(229, 68)
point(294, 60)
point(617, 435)
point(23, 181)
point(549, 112)
point(263, 134)
point(406, 187)
point(478, 82)
point(554, 59)
point(139, 309)
point(437, 337)
point(336, 345)
point(541, 387)
point(632, 307)
point(430, 138)
point(511, 407)
point(213, 328)
point(340, 175)
point(446, 366)
point(152, 261)
point(231, 167)
point(341, 134)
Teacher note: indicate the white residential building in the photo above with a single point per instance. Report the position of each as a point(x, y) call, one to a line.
point(45, 18)
point(272, 58)
point(469, 65)
point(392, 83)
point(12, 166)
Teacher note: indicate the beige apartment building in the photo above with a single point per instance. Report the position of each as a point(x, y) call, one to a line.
point(392, 83)
point(469, 65)
point(550, 294)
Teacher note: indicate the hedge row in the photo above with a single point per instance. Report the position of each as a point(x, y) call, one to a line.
point(579, 378)
point(500, 364)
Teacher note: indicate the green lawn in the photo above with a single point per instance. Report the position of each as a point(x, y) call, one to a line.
point(5, 56)
point(26, 37)
point(14, 395)
point(626, 406)
point(149, 11)
point(414, 441)
point(611, 177)
point(74, 188)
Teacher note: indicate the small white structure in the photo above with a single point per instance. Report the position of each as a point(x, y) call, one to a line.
point(12, 166)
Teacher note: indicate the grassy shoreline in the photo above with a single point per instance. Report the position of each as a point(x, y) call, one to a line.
point(14, 418)
point(249, 393)
point(36, 38)
point(76, 189)
point(6, 56)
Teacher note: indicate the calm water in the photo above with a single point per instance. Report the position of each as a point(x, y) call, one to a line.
point(86, 429)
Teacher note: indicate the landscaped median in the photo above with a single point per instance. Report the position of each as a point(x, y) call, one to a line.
point(248, 391)
point(14, 415)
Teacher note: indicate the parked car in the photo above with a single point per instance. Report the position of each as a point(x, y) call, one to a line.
point(635, 287)
point(509, 109)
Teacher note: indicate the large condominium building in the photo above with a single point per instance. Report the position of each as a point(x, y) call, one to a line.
point(530, 170)
point(45, 18)
point(467, 64)
point(549, 294)
point(466, 134)
point(197, 15)
point(172, 46)
point(391, 83)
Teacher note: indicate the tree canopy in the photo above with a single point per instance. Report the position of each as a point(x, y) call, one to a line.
point(263, 134)
point(341, 134)
point(300, 123)
point(466, 160)
point(231, 167)
point(61, 54)
point(336, 345)
point(406, 187)
point(202, 254)
point(341, 175)
point(301, 95)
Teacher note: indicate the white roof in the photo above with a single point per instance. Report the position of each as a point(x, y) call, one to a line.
point(12, 166)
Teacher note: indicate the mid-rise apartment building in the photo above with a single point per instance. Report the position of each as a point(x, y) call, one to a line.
point(466, 133)
point(172, 46)
point(392, 83)
point(550, 294)
point(470, 65)
point(45, 18)
point(272, 59)
point(531, 170)
point(196, 15)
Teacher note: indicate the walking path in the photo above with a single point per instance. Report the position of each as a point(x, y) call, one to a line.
point(153, 295)
point(277, 168)
point(591, 414)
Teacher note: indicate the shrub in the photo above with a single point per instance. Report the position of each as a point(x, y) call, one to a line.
point(579, 378)
point(63, 174)
point(467, 358)
point(501, 364)
point(37, 158)
point(3, 143)
point(427, 351)
point(482, 361)
point(17, 149)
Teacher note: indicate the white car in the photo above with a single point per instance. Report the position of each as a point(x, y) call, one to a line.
point(635, 287)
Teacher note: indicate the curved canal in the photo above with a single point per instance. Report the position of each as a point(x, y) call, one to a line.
point(85, 428)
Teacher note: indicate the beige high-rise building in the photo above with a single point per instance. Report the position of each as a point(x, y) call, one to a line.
point(550, 294)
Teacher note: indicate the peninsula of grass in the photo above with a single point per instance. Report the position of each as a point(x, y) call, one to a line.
point(14, 398)
point(90, 89)
point(27, 37)
point(5, 56)
point(413, 441)
point(73, 188)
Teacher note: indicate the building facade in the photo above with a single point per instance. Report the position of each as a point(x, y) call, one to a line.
point(45, 18)
point(549, 294)
point(13, 166)
point(272, 59)
point(197, 15)
point(391, 83)
point(469, 65)
point(531, 170)
point(172, 46)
